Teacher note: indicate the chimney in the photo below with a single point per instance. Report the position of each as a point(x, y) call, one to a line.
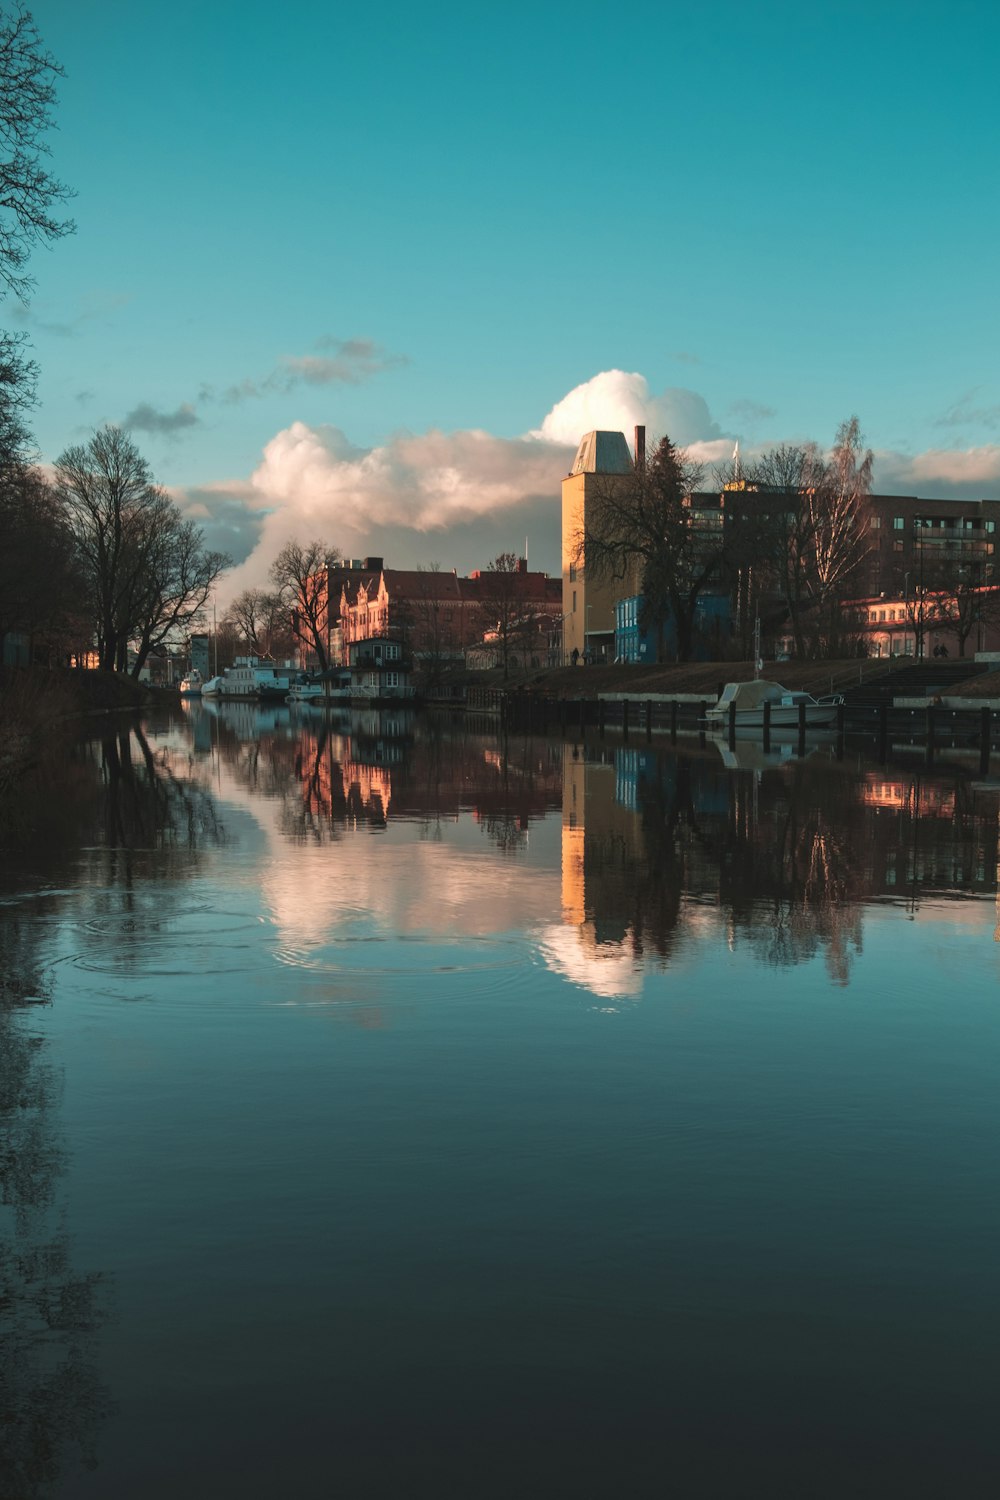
point(640, 447)
point(522, 565)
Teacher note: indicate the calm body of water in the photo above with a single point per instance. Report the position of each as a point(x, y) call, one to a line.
point(385, 1110)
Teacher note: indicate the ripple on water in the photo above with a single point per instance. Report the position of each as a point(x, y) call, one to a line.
point(345, 958)
point(196, 940)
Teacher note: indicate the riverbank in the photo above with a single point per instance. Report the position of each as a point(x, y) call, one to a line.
point(38, 709)
point(697, 679)
point(704, 680)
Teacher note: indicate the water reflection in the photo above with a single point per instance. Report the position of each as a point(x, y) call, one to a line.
point(380, 1111)
point(52, 1397)
point(113, 820)
point(660, 850)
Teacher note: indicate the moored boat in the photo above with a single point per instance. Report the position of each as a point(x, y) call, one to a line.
point(746, 700)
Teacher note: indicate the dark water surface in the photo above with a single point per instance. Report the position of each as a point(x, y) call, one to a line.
point(385, 1110)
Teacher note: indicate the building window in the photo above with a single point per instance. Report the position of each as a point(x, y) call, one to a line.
point(572, 572)
point(897, 523)
point(991, 526)
point(392, 679)
point(897, 546)
point(875, 522)
point(574, 601)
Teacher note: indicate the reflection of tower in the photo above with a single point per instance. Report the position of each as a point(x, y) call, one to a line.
point(600, 457)
point(601, 855)
point(573, 881)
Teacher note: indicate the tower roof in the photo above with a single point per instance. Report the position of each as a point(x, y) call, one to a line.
point(602, 453)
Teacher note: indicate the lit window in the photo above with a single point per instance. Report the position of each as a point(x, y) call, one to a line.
point(875, 523)
point(897, 523)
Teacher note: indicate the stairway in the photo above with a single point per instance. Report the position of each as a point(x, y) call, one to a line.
point(923, 679)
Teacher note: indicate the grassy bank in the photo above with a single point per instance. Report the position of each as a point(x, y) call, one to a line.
point(39, 708)
point(701, 678)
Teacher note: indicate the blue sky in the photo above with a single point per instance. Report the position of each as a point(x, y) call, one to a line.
point(320, 245)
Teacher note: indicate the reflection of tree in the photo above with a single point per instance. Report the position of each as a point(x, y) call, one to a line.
point(790, 854)
point(516, 782)
point(153, 819)
point(51, 1398)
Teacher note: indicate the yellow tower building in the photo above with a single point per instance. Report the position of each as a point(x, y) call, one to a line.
point(588, 607)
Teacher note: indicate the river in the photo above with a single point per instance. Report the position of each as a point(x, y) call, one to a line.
point(389, 1109)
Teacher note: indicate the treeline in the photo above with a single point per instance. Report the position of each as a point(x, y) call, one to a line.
point(98, 561)
point(94, 557)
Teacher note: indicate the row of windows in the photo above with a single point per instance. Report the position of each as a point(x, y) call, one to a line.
point(936, 523)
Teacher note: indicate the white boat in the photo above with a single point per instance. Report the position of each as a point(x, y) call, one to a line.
point(212, 688)
point(191, 685)
point(250, 678)
point(332, 686)
point(748, 700)
point(305, 692)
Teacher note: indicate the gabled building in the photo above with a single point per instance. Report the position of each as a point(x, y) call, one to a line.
point(380, 670)
point(439, 614)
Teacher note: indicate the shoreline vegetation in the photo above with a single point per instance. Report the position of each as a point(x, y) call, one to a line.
point(39, 708)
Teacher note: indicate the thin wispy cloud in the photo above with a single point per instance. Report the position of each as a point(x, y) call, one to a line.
point(966, 413)
point(33, 317)
point(146, 418)
point(338, 362)
point(750, 412)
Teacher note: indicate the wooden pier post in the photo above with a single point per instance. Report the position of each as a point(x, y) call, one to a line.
point(840, 731)
point(767, 725)
point(649, 718)
point(802, 729)
point(930, 734)
point(702, 710)
point(673, 722)
point(985, 738)
point(624, 718)
point(732, 725)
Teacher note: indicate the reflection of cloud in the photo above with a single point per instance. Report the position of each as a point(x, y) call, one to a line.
point(605, 969)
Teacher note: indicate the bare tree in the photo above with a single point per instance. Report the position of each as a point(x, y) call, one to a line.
point(300, 574)
point(148, 572)
point(173, 583)
point(260, 619)
point(839, 511)
point(503, 605)
point(28, 192)
point(811, 534)
point(432, 635)
point(645, 534)
point(42, 588)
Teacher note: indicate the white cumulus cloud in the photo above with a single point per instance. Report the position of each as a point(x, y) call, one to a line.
point(618, 402)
